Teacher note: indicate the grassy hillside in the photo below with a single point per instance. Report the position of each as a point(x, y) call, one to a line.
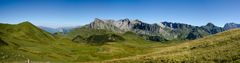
point(20, 39)
point(220, 48)
point(24, 33)
point(24, 41)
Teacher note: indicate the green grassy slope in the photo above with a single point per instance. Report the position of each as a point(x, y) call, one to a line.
point(24, 31)
point(20, 39)
point(24, 41)
point(220, 48)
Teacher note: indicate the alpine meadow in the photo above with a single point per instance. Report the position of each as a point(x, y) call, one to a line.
point(119, 31)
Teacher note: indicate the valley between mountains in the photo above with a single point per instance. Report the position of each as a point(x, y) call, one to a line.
point(120, 41)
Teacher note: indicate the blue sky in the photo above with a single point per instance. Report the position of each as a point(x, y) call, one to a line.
point(59, 13)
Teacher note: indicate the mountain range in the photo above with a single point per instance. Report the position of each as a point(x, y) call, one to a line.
point(231, 26)
point(162, 30)
point(54, 30)
point(156, 32)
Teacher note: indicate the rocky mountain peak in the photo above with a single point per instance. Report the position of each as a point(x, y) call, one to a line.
point(168, 24)
point(137, 21)
point(231, 24)
point(103, 24)
point(212, 29)
point(210, 24)
point(173, 25)
point(97, 20)
point(125, 20)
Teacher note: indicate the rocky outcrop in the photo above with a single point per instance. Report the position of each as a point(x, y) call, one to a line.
point(124, 24)
point(103, 24)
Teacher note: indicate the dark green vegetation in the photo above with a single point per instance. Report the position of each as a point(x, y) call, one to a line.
point(93, 36)
point(24, 41)
point(98, 39)
point(104, 38)
point(86, 32)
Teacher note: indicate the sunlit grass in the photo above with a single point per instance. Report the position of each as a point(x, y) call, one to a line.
point(220, 48)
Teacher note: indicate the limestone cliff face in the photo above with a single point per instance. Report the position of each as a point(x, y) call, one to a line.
point(103, 24)
point(149, 29)
point(124, 25)
point(167, 30)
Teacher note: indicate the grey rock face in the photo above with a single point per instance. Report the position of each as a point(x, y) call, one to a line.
point(185, 31)
point(125, 25)
point(212, 29)
point(167, 30)
point(103, 24)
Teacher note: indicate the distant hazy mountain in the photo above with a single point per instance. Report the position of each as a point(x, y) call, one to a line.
point(54, 30)
point(167, 30)
point(48, 29)
point(228, 26)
